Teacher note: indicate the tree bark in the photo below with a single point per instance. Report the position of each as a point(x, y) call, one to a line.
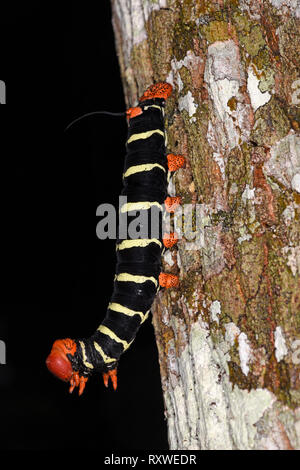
point(229, 336)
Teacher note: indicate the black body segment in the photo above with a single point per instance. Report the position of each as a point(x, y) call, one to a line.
point(138, 259)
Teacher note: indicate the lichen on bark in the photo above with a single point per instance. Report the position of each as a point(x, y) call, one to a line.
point(228, 337)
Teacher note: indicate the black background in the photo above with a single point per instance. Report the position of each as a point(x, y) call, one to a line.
point(56, 276)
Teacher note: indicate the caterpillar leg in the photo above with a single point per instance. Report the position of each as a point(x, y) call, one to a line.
point(157, 90)
point(132, 112)
point(171, 203)
point(112, 374)
point(168, 280)
point(175, 162)
point(170, 239)
point(77, 381)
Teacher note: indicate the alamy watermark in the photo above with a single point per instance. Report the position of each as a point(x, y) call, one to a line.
point(132, 221)
point(2, 352)
point(2, 92)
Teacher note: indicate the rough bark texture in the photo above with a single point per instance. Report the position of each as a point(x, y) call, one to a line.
point(229, 337)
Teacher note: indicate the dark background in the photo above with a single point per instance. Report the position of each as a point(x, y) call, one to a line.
point(56, 276)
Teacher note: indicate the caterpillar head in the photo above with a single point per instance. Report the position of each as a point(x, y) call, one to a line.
point(58, 362)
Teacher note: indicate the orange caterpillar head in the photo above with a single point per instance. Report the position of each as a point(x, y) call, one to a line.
point(157, 90)
point(58, 362)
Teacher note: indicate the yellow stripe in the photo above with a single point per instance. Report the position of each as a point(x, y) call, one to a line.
point(127, 311)
point(106, 331)
point(153, 106)
point(138, 206)
point(144, 135)
point(105, 358)
point(126, 277)
point(84, 358)
point(139, 168)
point(140, 243)
point(146, 316)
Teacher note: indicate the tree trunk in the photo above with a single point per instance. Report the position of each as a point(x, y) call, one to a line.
point(229, 336)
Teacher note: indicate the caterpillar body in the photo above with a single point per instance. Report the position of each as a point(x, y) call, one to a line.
point(138, 275)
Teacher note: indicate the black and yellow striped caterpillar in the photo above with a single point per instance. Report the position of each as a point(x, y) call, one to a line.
point(138, 271)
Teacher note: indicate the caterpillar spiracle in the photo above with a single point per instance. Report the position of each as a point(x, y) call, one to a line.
point(138, 275)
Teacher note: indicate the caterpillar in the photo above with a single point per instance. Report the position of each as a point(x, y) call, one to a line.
point(138, 277)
